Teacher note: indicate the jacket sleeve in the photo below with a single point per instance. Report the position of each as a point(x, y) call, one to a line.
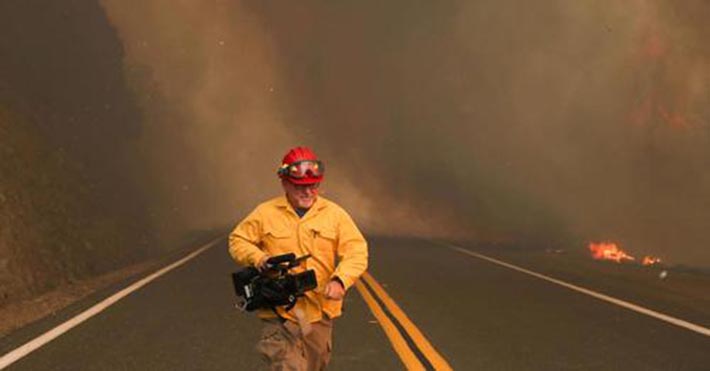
point(245, 239)
point(352, 252)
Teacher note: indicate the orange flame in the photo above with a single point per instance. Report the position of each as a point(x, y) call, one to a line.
point(608, 251)
point(650, 260)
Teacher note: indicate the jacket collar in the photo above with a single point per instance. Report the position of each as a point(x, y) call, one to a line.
point(282, 202)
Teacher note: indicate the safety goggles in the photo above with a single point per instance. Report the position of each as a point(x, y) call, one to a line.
point(302, 169)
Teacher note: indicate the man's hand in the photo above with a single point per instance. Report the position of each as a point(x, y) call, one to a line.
point(334, 290)
point(261, 265)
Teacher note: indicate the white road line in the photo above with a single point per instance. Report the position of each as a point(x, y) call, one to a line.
point(663, 317)
point(52, 334)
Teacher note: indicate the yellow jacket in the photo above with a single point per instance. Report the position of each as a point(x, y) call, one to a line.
point(327, 232)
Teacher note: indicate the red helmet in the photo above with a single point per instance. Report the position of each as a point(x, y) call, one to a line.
point(301, 166)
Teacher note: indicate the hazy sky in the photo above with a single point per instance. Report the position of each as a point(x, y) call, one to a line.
point(545, 123)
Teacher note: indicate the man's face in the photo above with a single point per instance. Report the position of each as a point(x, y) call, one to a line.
point(300, 196)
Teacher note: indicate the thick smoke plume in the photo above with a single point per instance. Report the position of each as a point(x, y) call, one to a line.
point(538, 123)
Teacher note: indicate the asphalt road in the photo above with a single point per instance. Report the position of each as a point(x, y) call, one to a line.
point(478, 316)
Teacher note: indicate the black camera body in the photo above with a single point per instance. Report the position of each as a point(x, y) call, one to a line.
point(274, 286)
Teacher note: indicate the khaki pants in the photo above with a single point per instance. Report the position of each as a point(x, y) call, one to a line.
point(283, 346)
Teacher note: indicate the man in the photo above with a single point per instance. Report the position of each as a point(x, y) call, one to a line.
point(303, 223)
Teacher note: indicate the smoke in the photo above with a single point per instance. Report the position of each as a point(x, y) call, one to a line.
point(202, 72)
point(538, 124)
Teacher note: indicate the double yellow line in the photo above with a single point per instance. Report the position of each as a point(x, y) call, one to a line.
point(411, 361)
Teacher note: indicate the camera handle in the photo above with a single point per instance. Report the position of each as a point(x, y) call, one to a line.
point(283, 263)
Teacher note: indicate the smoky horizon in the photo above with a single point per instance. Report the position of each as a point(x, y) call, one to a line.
point(537, 124)
point(540, 125)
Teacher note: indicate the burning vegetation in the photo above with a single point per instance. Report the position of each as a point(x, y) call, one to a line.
point(611, 251)
point(650, 260)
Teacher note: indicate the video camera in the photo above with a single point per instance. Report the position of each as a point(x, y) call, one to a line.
point(274, 286)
